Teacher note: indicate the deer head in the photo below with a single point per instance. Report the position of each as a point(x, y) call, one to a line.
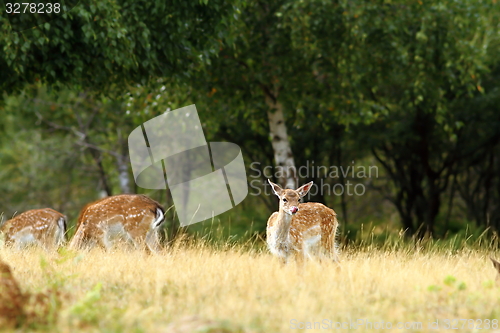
point(289, 199)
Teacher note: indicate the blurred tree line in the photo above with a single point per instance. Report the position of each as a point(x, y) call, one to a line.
point(410, 87)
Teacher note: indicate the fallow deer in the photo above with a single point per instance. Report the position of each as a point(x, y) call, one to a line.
point(44, 227)
point(303, 229)
point(132, 218)
point(12, 299)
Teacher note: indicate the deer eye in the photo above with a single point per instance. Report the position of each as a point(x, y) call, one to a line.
point(284, 200)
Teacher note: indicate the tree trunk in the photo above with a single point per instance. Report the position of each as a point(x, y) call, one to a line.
point(105, 187)
point(123, 162)
point(285, 165)
point(123, 175)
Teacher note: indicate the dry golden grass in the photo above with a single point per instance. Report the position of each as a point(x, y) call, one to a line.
point(197, 288)
point(20, 309)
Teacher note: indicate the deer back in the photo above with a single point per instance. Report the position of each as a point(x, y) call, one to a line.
point(43, 225)
point(135, 212)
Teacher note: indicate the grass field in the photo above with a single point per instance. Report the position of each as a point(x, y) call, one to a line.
point(201, 288)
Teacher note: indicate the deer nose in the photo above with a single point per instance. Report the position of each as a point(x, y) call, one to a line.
point(294, 209)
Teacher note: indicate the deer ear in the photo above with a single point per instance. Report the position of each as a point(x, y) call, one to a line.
point(276, 188)
point(304, 189)
point(496, 264)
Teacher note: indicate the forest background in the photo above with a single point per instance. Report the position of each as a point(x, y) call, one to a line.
point(391, 108)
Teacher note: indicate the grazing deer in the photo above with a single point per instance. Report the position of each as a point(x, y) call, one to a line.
point(44, 227)
point(133, 218)
point(302, 229)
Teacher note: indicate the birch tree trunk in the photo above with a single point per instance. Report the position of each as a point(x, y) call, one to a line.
point(123, 162)
point(123, 175)
point(286, 172)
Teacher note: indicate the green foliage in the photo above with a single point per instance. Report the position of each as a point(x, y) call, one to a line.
point(450, 280)
point(86, 310)
point(434, 288)
point(108, 44)
point(421, 63)
point(452, 287)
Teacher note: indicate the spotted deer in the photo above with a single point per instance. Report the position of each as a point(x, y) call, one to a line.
point(303, 229)
point(43, 227)
point(131, 218)
point(12, 299)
